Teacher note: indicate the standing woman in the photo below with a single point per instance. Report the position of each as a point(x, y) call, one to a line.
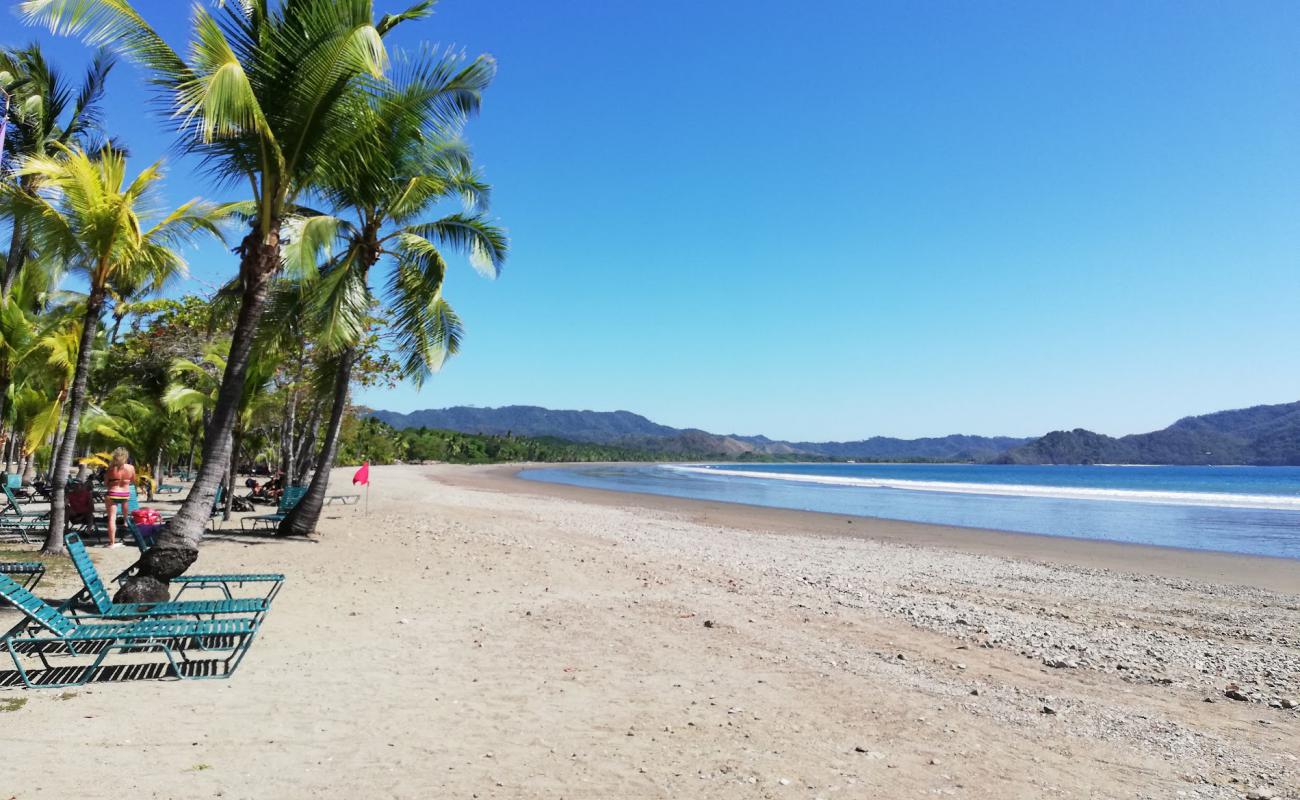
point(118, 479)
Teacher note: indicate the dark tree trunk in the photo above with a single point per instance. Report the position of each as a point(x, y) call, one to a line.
point(157, 473)
point(177, 545)
point(301, 521)
point(67, 448)
point(307, 445)
point(232, 474)
point(286, 435)
point(14, 261)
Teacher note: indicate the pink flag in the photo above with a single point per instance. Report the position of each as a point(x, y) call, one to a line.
point(363, 475)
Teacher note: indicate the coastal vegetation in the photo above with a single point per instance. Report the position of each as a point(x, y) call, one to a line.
point(341, 181)
point(1262, 435)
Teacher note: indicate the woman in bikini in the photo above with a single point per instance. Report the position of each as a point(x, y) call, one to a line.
point(118, 479)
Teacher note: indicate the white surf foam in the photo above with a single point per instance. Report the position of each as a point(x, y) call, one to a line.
point(1213, 499)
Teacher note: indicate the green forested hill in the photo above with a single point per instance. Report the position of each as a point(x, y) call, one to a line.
point(1262, 435)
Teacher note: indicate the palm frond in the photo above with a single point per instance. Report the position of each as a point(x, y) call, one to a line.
point(483, 242)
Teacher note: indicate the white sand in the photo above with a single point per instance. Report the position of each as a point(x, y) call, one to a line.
point(462, 642)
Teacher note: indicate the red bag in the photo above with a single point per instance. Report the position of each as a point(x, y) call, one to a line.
point(146, 516)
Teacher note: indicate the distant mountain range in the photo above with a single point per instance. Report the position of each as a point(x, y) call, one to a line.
point(633, 430)
point(1262, 435)
point(1266, 435)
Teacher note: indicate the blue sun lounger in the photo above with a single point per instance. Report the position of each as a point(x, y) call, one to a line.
point(14, 518)
point(95, 595)
point(270, 580)
point(33, 570)
point(172, 637)
point(14, 507)
point(291, 497)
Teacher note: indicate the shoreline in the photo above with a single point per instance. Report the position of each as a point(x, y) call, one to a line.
point(1273, 573)
point(502, 638)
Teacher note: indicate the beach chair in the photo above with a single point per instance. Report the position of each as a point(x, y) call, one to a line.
point(270, 581)
point(15, 484)
point(32, 570)
point(14, 507)
point(172, 637)
point(216, 505)
point(167, 488)
point(345, 499)
point(96, 596)
point(291, 497)
point(14, 518)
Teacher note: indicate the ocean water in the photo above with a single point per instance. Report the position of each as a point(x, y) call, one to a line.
point(1251, 510)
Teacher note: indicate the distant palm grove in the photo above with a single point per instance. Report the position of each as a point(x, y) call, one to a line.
point(342, 184)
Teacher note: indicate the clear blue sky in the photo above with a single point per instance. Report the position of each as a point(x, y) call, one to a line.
point(844, 218)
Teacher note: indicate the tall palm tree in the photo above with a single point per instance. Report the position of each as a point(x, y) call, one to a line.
point(88, 216)
point(386, 189)
point(264, 98)
point(195, 388)
point(43, 114)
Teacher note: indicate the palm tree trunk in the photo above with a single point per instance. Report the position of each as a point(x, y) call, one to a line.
point(67, 448)
point(177, 545)
point(302, 520)
point(286, 435)
point(232, 474)
point(14, 261)
point(307, 444)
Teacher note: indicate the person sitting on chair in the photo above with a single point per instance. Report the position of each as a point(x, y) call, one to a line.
point(81, 505)
point(274, 488)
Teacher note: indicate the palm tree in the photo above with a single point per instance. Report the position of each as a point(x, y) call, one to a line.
point(38, 339)
point(386, 188)
point(195, 390)
point(42, 115)
point(265, 99)
point(86, 215)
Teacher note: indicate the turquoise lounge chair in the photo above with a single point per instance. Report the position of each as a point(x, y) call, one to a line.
point(216, 505)
point(220, 582)
point(171, 637)
point(96, 595)
point(291, 497)
point(345, 499)
point(34, 570)
point(14, 517)
point(15, 506)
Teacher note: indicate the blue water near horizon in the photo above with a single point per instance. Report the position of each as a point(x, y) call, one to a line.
point(1248, 510)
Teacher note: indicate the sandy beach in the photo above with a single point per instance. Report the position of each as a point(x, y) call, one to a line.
point(477, 636)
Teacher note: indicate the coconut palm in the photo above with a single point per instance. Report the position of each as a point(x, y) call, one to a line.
point(39, 340)
point(387, 191)
point(265, 98)
point(196, 388)
point(87, 216)
point(43, 113)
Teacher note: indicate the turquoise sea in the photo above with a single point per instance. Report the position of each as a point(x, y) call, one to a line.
point(1252, 510)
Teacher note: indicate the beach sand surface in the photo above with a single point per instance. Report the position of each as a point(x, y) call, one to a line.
point(473, 635)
